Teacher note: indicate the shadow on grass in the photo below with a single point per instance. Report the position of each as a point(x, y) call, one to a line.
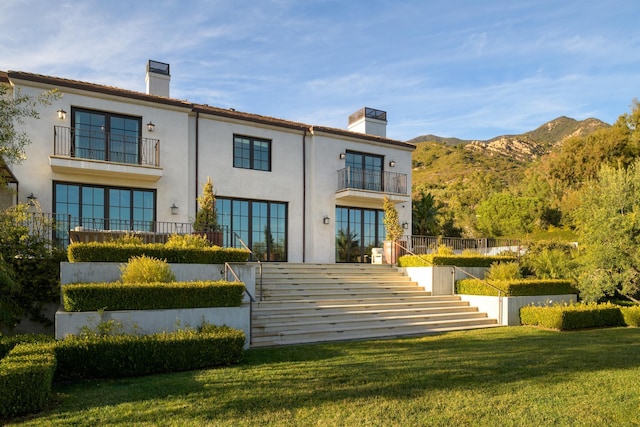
point(280, 380)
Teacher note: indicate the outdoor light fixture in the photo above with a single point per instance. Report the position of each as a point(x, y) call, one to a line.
point(62, 114)
point(174, 209)
point(151, 126)
point(405, 225)
point(32, 199)
point(342, 156)
point(325, 220)
point(392, 163)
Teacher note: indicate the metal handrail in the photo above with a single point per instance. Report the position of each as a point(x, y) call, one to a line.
point(485, 281)
point(227, 268)
point(254, 256)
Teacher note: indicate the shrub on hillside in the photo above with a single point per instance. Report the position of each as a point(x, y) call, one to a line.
point(504, 271)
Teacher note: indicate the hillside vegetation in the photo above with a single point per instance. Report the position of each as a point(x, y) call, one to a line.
point(476, 183)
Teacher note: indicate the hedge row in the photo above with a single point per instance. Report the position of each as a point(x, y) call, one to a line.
point(8, 342)
point(116, 252)
point(514, 288)
point(130, 355)
point(457, 260)
point(631, 315)
point(571, 317)
point(151, 296)
point(26, 373)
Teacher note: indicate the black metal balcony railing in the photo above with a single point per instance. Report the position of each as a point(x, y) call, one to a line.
point(109, 147)
point(373, 180)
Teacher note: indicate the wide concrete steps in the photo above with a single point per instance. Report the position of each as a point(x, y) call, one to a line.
point(305, 303)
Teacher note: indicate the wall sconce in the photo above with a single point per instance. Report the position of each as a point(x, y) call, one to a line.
point(32, 199)
point(174, 209)
point(325, 220)
point(392, 163)
point(405, 225)
point(150, 126)
point(342, 156)
point(62, 114)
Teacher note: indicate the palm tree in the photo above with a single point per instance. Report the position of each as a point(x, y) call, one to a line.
point(425, 215)
point(348, 246)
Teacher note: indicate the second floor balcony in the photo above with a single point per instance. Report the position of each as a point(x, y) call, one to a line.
point(367, 184)
point(104, 146)
point(106, 153)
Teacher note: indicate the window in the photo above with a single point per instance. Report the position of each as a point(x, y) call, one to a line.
point(251, 153)
point(106, 136)
point(104, 208)
point(364, 171)
point(262, 225)
point(357, 232)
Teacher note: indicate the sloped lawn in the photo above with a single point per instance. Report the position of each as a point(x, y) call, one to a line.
point(515, 376)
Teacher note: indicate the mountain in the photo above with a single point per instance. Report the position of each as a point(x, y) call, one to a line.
point(527, 146)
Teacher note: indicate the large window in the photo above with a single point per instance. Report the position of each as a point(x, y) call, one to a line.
point(357, 231)
point(251, 153)
point(364, 171)
point(262, 225)
point(106, 136)
point(105, 208)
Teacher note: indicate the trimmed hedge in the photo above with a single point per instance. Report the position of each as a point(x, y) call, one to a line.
point(116, 252)
point(130, 355)
point(8, 342)
point(457, 260)
point(151, 296)
point(26, 373)
point(514, 288)
point(571, 317)
point(631, 315)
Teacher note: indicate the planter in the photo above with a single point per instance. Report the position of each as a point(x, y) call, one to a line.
point(390, 252)
point(214, 237)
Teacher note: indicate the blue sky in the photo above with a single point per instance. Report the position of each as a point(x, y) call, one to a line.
point(463, 68)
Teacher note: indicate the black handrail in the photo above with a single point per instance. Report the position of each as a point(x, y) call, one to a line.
point(254, 256)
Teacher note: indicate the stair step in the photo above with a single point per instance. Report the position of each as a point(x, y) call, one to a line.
point(339, 313)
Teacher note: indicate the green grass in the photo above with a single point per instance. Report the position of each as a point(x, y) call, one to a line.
point(515, 376)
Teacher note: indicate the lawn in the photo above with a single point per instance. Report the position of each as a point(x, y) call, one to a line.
point(516, 376)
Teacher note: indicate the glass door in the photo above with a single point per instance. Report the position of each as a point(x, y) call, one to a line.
point(357, 232)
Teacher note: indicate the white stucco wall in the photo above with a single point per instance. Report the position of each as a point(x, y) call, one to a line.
point(176, 128)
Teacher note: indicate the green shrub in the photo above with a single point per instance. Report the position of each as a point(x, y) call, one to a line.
point(631, 315)
point(112, 252)
point(151, 296)
point(550, 263)
point(130, 355)
point(26, 373)
point(8, 342)
point(182, 241)
point(128, 239)
point(504, 271)
point(144, 269)
point(512, 288)
point(571, 317)
point(457, 260)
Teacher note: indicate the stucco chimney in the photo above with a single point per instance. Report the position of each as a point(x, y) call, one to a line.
point(370, 121)
point(158, 78)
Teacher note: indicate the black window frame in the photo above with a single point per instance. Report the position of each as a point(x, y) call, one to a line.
point(238, 160)
point(107, 131)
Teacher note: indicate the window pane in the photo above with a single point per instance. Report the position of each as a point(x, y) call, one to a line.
point(241, 153)
point(261, 155)
point(93, 208)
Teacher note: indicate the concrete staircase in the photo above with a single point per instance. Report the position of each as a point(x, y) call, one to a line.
point(305, 303)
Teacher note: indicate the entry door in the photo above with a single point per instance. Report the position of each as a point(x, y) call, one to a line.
point(357, 231)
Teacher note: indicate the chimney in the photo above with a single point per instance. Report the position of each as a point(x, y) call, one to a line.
point(370, 121)
point(158, 78)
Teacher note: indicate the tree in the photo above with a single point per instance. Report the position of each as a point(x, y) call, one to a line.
point(207, 216)
point(426, 212)
point(14, 108)
point(608, 221)
point(391, 221)
point(505, 214)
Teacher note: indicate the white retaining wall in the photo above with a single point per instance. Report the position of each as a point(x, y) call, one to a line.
point(439, 280)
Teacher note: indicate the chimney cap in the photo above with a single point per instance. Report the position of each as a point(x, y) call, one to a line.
point(158, 67)
point(367, 112)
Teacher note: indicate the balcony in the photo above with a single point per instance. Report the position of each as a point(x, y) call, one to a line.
point(368, 187)
point(101, 153)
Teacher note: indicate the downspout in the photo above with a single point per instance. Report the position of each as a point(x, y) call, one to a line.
point(197, 159)
point(304, 195)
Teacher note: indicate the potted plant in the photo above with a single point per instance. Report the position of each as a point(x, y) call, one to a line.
point(394, 230)
point(206, 221)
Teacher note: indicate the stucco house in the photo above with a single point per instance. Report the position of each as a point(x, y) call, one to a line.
point(105, 158)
